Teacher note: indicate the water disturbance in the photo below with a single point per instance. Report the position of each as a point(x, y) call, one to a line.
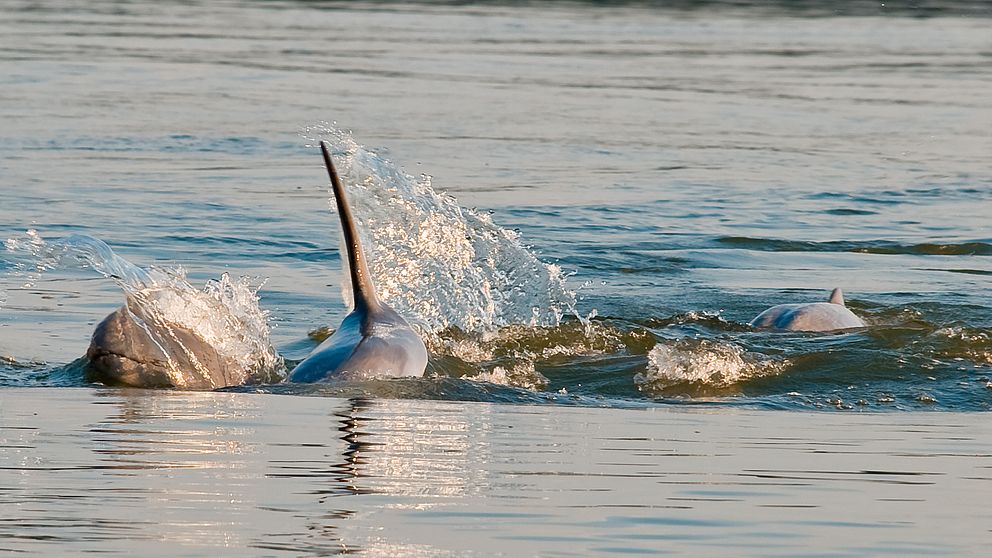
point(440, 264)
point(492, 311)
point(224, 314)
point(571, 204)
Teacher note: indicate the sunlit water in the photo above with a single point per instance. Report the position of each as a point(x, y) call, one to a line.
point(577, 204)
point(211, 474)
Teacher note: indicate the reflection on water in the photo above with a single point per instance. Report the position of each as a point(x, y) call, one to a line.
point(233, 474)
point(132, 452)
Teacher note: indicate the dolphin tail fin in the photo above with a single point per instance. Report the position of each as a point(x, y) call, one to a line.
point(361, 280)
point(837, 297)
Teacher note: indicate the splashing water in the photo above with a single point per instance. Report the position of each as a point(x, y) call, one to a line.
point(522, 375)
point(85, 250)
point(225, 313)
point(703, 364)
point(439, 265)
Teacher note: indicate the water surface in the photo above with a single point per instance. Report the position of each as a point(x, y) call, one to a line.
point(688, 167)
point(675, 171)
point(132, 472)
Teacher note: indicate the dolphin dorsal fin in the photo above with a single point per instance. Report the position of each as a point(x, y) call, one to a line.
point(837, 297)
point(363, 289)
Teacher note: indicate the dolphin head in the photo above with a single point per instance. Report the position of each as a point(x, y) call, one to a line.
point(130, 350)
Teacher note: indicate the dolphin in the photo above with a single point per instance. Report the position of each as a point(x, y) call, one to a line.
point(373, 340)
point(131, 348)
point(815, 316)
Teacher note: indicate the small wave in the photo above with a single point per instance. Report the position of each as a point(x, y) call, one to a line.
point(849, 211)
point(11, 362)
point(521, 374)
point(571, 338)
point(931, 333)
point(441, 389)
point(178, 143)
point(438, 264)
point(511, 355)
point(701, 366)
point(698, 321)
point(963, 343)
point(977, 248)
point(33, 373)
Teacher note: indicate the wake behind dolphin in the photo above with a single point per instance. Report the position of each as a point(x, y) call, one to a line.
point(373, 340)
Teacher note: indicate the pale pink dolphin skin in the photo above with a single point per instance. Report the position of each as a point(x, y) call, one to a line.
point(373, 341)
point(814, 316)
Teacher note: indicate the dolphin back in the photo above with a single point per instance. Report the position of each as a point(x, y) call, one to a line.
point(816, 316)
point(373, 340)
point(366, 347)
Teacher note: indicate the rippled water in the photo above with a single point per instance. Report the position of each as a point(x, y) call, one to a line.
point(196, 474)
point(683, 169)
point(612, 191)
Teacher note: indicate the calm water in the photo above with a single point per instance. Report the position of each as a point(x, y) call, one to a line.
point(685, 168)
point(211, 474)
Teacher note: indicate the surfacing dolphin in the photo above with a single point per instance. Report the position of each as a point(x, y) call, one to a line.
point(815, 316)
point(131, 348)
point(373, 341)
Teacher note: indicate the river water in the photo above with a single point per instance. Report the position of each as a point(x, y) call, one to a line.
point(650, 178)
point(208, 474)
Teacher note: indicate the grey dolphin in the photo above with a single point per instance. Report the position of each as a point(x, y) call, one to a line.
point(815, 316)
point(131, 348)
point(373, 340)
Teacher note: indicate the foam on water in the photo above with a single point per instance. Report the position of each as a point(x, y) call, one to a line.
point(225, 313)
point(522, 374)
point(702, 364)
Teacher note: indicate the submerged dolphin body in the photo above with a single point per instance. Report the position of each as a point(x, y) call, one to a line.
point(816, 316)
point(131, 348)
point(373, 340)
